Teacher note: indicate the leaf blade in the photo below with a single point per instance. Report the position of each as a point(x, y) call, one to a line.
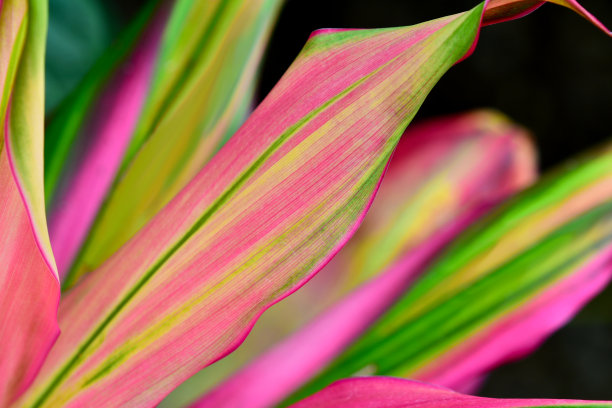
point(199, 231)
point(443, 174)
point(393, 392)
point(547, 250)
point(29, 291)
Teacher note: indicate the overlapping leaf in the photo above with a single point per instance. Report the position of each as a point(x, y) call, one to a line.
point(507, 282)
point(254, 224)
point(443, 174)
point(29, 286)
point(386, 392)
point(181, 92)
point(294, 360)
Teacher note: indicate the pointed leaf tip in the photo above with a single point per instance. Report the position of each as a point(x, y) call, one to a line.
point(254, 224)
point(497, 11)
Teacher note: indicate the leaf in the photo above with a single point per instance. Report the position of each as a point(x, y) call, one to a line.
point(444, 173)
point(187, 84)
point(505, 284)
point(29, 284)
point(255, 223)
point(382, 392)
point(205, 109)
point(460, 164)
point(504, 10)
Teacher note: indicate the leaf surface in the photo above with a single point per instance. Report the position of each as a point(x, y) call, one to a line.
point(505, 284)
point(164, 110)
point(265, 214)
point(387, 392)
point(444, 173)
point(29, 287)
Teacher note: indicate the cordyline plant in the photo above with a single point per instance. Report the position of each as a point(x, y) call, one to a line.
point(172, 225)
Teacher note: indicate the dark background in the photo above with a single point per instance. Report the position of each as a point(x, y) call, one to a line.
point(550, 71)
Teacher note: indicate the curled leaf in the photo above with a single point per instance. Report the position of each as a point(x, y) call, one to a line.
point(29, 287)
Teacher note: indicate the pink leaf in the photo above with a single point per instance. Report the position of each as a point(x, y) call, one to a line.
point(388, 392)
point(29, 287)
point(444, 173)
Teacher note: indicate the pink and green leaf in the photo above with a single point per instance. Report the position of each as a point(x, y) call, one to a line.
point(388, 392)
point(29, 283)
point(254, 224)
point(507, 283)
point(294, 360)
point(164, 112)
point(207, 109)
point(443, 174)
point(443, 169)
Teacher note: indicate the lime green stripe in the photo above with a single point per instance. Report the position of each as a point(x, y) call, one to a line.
point(455, 49)
point(146, 123)
point(397, 346)
point(212, 209)
point(11, 71)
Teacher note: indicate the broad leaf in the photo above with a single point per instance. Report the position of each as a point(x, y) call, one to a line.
point(387, 392)
point(265, 214)
point(444, 173)
point(255, 223)
point(508, 282)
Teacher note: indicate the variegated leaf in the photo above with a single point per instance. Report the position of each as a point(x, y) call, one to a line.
point(265, 214)
point(29, 286)
point(182, 91)
point(506, 283)
point(444, 173)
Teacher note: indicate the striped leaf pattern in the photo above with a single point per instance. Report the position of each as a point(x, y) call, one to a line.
point(158, 118)
point(444, 173)
point(265, 214)
point(503, 286)
point(29, 286)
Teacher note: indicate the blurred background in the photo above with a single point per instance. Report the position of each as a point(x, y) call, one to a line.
point(550, 72)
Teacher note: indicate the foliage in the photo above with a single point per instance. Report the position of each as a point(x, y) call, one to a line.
point(155, 216)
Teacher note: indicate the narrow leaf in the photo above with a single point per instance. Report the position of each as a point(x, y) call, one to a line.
point(504, 10)
point(204, 108)
point(108, 137)
point(164, 114)
point(29, 287)
point(387, 392)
